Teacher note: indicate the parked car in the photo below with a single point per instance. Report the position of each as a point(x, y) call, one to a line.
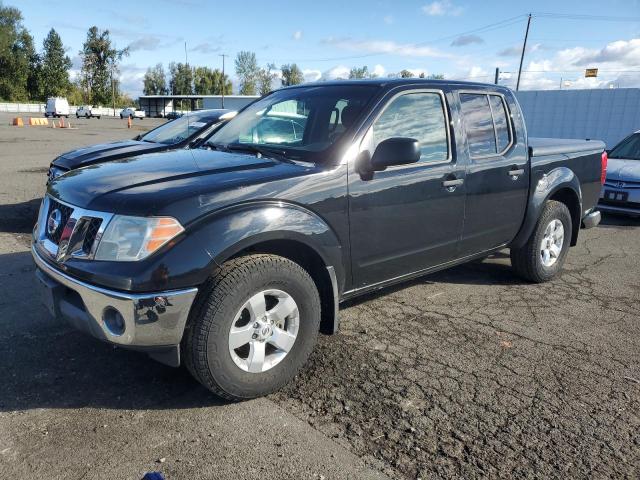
point(87, 111)
point(621, 191)
point(172, 115)
point(57, 107)
point(230, 258)
point(181, 133)
point(132, 113)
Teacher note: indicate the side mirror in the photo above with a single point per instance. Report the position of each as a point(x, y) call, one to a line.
point(395, 151)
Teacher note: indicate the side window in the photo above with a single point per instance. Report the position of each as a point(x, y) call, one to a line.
point(479, 124)
point(503, 134)
point(416, 115)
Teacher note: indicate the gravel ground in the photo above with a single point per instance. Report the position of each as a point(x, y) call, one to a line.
point(465, 373)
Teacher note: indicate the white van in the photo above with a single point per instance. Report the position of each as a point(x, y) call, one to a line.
point(57, 107)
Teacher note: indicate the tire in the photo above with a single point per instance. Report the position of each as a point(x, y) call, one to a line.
point(98, 117)
point(120, 116)
point(77, 116)
point(528, 261)
point(219, 307)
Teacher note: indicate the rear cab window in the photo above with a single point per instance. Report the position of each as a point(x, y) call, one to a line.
point(487, 124)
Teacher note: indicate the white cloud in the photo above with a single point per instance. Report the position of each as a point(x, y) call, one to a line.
point(297, 35)
point(441, 8)
point(463, 40)
point(378, 71)
point(385, 46)
point(311, 75)
point(339, 72)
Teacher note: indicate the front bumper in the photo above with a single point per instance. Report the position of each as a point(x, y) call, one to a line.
point(151, 322)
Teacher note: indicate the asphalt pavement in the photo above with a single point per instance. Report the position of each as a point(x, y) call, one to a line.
point(466, 373)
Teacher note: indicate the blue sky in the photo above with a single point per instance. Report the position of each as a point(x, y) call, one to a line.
point(461, 39)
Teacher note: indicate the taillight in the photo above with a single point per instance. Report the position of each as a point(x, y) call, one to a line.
point(603, 171)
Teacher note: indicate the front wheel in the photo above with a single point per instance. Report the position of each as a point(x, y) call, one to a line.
point(542, 257)
point(253, 327)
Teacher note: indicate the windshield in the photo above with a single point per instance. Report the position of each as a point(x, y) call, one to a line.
point(628, 149)
point(298, 122)
point(178, 130)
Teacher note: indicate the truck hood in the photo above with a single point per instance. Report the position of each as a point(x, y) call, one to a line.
point(105, 152)
point(180, 183)
point(619, 169)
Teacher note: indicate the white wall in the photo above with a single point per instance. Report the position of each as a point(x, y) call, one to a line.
point(603, 114)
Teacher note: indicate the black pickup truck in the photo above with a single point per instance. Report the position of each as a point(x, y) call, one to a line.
point(230, 258)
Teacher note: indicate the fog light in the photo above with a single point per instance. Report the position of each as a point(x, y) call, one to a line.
point(114, 321)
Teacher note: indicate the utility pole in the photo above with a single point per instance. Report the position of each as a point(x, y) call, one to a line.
point(497, 75)
point(524, 46)
point(223, 55)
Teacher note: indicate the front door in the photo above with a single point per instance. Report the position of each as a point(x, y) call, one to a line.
point(408, 217)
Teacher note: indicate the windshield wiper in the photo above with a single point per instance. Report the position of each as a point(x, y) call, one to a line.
point(262, 151)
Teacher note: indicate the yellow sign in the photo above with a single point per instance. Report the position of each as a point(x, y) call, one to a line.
point(591, 72)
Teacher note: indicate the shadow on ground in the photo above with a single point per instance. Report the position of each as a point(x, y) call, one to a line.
point(19, 217)
point(46, 364)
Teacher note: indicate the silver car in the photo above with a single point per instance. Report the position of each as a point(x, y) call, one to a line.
point(621, 190)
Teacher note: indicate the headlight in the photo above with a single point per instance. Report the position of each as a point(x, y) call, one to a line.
point(128, 239)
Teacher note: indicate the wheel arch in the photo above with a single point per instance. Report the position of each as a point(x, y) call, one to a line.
point(287, 230)
point(559, 184)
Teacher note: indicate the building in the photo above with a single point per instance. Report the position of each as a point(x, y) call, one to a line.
point(603, 114)
point(160, 105)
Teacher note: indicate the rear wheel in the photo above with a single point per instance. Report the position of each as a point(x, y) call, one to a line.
point(253, 327)
point(542, 257)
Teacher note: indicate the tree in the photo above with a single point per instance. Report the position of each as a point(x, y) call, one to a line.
point(100, 61)
point(357, 73)
point(181, 82)
point(210, 82)
point(291, 75)
point(266, 76)
point(155, 81)
point(436, 76)
point(406, 74)
point(248, 72)
point(18, 58)
point(55, 66)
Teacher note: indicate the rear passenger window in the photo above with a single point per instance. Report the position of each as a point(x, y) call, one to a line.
point(503, 135)
point(486, 122)
point(479, 124)
point(416, 115)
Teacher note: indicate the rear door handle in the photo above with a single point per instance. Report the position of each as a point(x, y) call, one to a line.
point(516, 172)
point(451, 185)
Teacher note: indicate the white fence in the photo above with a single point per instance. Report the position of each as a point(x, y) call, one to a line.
point(40, 108)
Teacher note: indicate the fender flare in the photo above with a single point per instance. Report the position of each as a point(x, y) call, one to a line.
point(548, 185)
point(233, 229)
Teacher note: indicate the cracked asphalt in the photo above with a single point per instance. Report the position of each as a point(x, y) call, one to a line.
point(462, 374)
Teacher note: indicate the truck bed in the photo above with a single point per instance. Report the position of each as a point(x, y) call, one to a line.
point(554, 146)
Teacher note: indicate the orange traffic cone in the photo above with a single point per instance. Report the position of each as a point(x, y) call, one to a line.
point(61, 122)
point(129, 122)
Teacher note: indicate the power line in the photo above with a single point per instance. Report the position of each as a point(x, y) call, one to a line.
point(600, 18)
point(486, 28)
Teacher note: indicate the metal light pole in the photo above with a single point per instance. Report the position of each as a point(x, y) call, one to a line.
point(497, 75)
point(113, 93)
point(524, 46)
point(223, 81)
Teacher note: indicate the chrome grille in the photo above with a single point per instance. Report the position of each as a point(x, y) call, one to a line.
point(77, 235)
point(65, 212)
point(90, 235)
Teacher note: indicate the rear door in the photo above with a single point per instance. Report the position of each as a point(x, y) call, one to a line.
point(406, 218)
point(497, 177)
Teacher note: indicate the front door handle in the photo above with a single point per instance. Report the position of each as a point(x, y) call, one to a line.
point(451, 185)
point(516, 172)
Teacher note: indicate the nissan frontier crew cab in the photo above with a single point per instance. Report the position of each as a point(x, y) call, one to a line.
point(231, 257)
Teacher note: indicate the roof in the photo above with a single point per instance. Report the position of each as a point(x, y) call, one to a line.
point(383, 82)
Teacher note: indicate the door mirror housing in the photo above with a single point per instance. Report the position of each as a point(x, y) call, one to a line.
point(395, 151)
